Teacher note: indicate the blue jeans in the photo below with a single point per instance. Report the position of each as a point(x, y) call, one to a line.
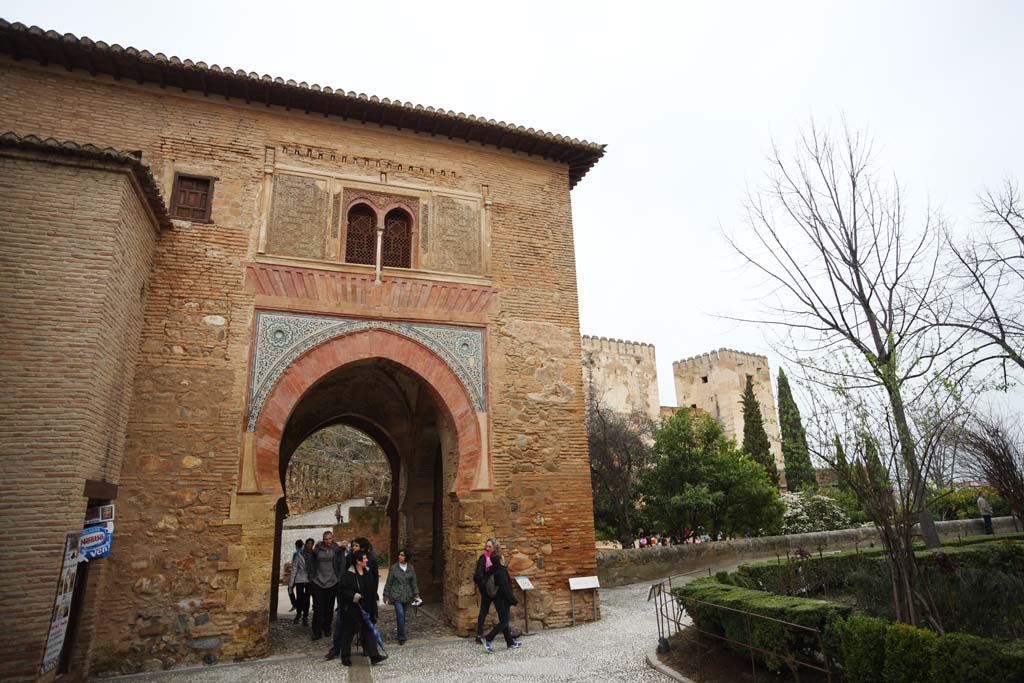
point(400, 608)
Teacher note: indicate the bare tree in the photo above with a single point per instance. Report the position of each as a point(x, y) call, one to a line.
point(872, 466)
point(995, 455)
point(988, 307)
point(850, 274)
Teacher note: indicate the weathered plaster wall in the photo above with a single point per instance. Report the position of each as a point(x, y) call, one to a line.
point(714, 383)
point(622, 375)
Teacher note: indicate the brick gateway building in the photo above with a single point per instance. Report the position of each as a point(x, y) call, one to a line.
point(322, 257)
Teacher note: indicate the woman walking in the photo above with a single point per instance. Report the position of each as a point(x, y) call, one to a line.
point(504, 600)
point(400, 589)
point(483, 566)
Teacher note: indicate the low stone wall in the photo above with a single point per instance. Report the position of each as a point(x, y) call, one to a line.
point(622, 567)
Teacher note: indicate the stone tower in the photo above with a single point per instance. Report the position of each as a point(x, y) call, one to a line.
point(714, 382)
point(622, 375)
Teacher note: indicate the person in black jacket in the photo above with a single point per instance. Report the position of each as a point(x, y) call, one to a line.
point(356, 589)
point(503, 603)
point(483, 566)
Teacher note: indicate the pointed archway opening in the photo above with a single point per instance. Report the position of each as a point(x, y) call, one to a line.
point(393, 407)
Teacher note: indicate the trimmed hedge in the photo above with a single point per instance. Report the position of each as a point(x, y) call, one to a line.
point(876, 651)
point(867, 649)
point(794, 577)
point(816, 614)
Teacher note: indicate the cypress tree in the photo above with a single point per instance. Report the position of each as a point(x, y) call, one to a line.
point(842, 466)
point(799, 471)
point(755, 438)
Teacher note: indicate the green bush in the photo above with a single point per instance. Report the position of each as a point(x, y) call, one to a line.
point(969, 659)
point(908, 653)
point(783, 642)
point(861, 645)
point(875, 651)
point(792, 576)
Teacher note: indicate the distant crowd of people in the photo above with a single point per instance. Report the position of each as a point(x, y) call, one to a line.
point(339, 583)
point(697, 535)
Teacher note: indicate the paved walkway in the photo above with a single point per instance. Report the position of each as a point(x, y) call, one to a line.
point(609, 650)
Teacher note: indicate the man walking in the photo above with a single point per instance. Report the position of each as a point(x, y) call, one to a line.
point(324, 574)
point(986, 512)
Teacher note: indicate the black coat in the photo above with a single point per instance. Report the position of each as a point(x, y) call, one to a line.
point(480, 573)
point(504, 584)
point(365, 585)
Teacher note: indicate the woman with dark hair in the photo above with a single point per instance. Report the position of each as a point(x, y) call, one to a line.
point(504, 599)
point(400, 589)
point(358, 592)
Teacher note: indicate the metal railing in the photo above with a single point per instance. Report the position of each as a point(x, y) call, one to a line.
point(673, 616)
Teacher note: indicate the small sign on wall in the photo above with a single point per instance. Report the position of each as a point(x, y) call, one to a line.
point(95, 541)
point(524, 583)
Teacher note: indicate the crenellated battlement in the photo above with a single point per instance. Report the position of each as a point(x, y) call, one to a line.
point(714, 357)
point(617, 346)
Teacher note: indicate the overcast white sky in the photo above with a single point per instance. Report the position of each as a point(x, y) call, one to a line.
point(687, 96)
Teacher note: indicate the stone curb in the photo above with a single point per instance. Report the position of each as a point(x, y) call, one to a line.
point(651, 655)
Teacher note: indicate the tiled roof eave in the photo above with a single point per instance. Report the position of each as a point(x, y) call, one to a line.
point(130, 64)
point(132, 160)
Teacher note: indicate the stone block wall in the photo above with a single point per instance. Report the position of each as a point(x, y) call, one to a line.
point(622, 376)
point(714, 382)
point(192, 568)
point(370, 523)
point(76, 245)
point(622, 567)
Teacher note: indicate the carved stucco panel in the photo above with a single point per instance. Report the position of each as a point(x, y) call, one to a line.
point(451, 241)
point(283, 337)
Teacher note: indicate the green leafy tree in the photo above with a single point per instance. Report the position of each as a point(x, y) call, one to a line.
point(700, 479)
point(755, 438)
point(799, 471)
point(619, 449)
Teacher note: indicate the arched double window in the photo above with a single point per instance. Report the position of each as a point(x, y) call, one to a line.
point(361, 237)
point(396, 249)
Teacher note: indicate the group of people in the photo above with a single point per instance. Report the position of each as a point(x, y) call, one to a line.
point(329, 573)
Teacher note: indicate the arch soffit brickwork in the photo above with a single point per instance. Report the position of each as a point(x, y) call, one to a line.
point(366, 343)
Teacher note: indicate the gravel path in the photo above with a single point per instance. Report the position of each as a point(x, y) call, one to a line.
point(609, 650)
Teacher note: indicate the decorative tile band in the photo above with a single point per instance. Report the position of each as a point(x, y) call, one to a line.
point(283, 337)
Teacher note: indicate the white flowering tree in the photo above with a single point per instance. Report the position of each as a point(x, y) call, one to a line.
point(807, 512)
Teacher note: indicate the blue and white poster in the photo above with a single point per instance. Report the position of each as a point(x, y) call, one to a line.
point(95, 541)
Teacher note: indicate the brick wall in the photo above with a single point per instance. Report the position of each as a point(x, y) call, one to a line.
point(75, 252)
point(192, 582)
